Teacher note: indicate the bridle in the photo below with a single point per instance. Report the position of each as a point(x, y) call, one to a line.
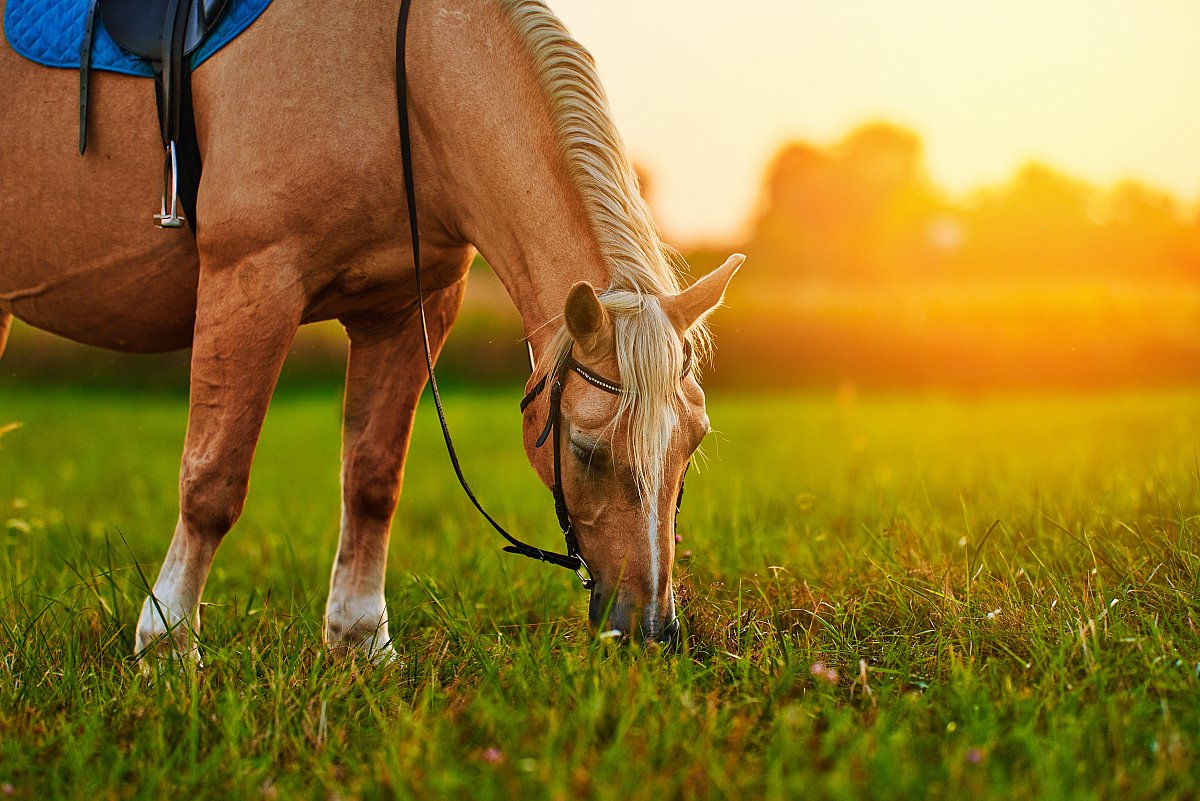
point(556, 379)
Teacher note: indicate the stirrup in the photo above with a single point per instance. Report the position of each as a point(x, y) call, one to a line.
point(171, 185)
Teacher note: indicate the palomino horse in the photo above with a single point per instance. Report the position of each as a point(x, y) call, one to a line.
point(303, 218)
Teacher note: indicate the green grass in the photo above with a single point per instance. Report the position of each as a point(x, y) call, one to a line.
point(1006, 590)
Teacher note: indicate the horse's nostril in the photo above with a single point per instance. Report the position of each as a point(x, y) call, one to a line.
point(601, 613)
point(670, 633)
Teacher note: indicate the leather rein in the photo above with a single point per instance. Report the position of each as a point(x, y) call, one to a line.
point(572, 559)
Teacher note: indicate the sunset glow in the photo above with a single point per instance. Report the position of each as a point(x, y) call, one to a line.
point(705, 92)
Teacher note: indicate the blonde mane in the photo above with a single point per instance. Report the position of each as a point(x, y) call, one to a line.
point(641, 267)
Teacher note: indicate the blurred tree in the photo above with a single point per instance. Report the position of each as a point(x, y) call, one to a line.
point(1145, 236)
point(1040, 224)
point(864, 211)
point(860, 210)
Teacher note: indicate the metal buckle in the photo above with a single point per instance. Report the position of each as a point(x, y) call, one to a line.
point(587, 581)
point(171, 183)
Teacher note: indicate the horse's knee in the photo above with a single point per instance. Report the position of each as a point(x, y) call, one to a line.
point(373, 498)
point(210, 500)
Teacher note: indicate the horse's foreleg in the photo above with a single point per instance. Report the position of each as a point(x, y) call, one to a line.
point(383, 383)
point(245, 321)
point(5, 325)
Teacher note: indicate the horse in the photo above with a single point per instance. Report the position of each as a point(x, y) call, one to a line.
point(304, 218)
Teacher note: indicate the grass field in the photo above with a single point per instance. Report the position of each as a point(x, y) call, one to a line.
point(894, 597)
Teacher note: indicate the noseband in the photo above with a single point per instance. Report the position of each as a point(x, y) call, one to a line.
point(571, 560)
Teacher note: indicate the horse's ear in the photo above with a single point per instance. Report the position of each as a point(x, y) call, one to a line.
point(694, 303)
point(588, 321)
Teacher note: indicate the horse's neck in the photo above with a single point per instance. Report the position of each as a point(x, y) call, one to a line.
point(487, 123)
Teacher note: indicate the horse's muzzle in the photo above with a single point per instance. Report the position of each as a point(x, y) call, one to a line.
point(624, 619)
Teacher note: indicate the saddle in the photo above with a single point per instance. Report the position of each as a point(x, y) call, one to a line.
point(165, 33)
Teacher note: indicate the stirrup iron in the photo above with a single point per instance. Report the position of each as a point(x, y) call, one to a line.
point(171, 186)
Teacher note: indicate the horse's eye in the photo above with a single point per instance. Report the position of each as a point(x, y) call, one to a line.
point(589, 454)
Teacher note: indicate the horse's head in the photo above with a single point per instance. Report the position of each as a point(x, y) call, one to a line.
point(622, 455)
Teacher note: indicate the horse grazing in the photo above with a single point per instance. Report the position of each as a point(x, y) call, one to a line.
point(303, 217)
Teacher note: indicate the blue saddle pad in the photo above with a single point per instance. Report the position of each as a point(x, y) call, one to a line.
point(50, 32)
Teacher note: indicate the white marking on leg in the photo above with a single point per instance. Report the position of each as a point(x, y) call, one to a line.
point(173, 607)
point(357, 622)
point(356, 613)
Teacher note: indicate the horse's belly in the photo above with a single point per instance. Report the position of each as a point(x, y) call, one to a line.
point(79, 254)
point(111, 307)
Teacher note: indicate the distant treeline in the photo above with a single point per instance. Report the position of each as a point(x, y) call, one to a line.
point(864, 211)
point(862, 271)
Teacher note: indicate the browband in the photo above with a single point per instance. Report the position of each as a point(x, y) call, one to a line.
point(593, 378)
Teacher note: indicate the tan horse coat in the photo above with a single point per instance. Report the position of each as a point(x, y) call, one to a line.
point(303, 219)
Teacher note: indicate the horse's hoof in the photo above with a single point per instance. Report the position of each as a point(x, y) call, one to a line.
point(164, 655)
point(378, 654)
point(360, 632)
point(165, 640)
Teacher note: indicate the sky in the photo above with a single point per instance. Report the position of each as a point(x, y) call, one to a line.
point(705, 92)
